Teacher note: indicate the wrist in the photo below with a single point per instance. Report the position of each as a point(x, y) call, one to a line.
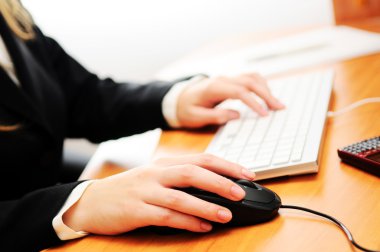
point(171, 100)
point(76, 216)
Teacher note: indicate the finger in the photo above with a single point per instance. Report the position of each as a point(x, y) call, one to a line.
point(161, 216)
point(259, 79)
point(190, 205)
point(241, 88)
point(222, 88)
point(249, 99)
point(212, 163)
point(259, 86)
point(195, 176)
point(233, 89)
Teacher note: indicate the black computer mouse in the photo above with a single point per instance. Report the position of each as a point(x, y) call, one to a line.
point(259, 204)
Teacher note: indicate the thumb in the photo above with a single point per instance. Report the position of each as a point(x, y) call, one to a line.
point(204, 116)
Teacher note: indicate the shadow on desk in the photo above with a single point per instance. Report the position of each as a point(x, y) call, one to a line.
point(145, 238)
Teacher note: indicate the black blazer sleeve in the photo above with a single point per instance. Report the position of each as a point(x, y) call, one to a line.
point(100, 109)
point(69, 102)
point(26, 223)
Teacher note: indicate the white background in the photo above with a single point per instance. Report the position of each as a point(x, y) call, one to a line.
point(133, 39)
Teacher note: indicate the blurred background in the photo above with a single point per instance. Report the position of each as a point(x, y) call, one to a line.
point(128, 39)
point(133, 40)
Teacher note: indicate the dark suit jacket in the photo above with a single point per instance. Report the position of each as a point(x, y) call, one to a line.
point(59, 98)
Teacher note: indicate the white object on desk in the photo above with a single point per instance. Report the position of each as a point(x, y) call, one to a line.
point(306, 49)
point(128, 152)
point(286, 142)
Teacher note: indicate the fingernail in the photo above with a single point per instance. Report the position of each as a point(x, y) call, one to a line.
point(248, 174)
point(224, 215)
point(237, 192)
point(206, 226)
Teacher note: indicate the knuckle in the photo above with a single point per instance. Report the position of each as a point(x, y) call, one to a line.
point(209, 210)
point(192, 225)
point(174, 199)
point(240, 92)
point(262, 82)
point(221, 183)
point(207, 158)
point(164, 217)
point(248, 83)
point(188, 172)
point(260, 86)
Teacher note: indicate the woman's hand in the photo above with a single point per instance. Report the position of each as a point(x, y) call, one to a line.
point(145, 196)
point(196, 104)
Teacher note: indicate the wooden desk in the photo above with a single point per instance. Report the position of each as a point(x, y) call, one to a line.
point(349, 194)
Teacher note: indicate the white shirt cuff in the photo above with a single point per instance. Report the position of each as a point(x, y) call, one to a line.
point(170, 101)
point(64, 232)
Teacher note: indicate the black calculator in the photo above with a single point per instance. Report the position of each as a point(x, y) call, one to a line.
point(364, 155)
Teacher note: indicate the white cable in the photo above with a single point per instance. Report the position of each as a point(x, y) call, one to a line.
point(353, 106)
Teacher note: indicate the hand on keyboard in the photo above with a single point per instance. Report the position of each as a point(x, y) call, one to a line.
point(196, 104)
point(286, 141)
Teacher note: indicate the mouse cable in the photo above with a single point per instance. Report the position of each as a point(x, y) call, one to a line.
point(340, 224)
point(353, 106)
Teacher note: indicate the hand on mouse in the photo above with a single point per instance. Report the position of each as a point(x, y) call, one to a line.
point(196, 104)
point(145, 196)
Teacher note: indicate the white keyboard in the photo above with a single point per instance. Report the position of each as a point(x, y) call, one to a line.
point(286, 142)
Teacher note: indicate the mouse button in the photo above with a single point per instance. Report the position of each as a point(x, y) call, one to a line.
point(248, 203)
point(246, 183)
point(260, 207)
point(262, 196)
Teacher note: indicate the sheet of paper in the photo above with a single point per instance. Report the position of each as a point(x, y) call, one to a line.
point(128, 152)
point(318, 46)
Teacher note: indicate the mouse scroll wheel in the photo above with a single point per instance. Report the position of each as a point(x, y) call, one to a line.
point(247, 183)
